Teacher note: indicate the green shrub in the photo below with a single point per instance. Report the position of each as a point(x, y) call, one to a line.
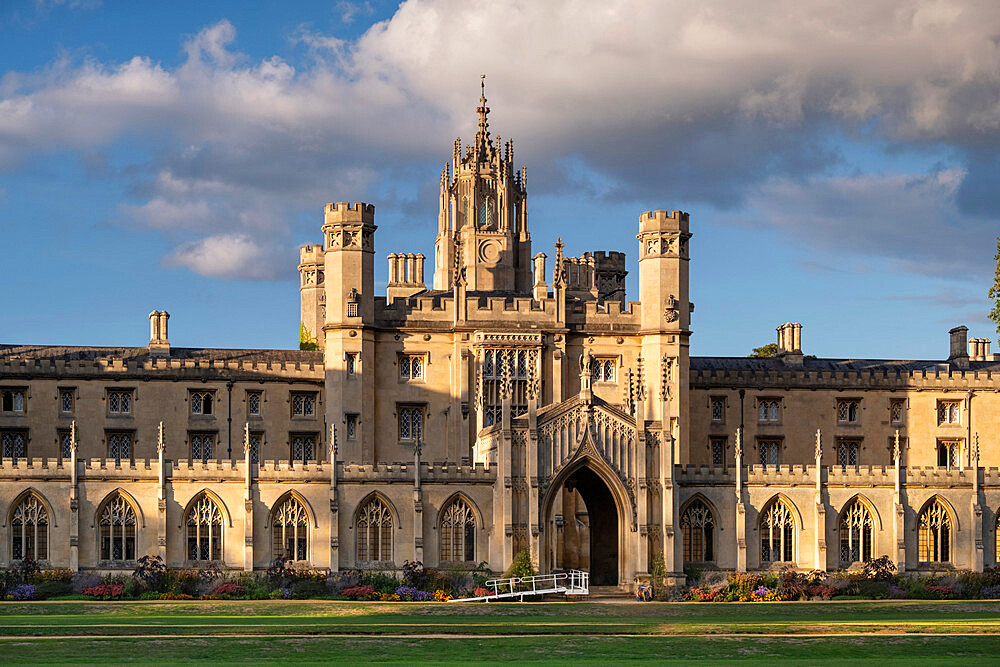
point(521, 565)
point(305, 589)
point(47, 590)
point(380, 580)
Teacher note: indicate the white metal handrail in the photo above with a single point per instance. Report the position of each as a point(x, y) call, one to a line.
point(573, 582)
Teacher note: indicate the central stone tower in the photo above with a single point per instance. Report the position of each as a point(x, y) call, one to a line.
point(483, 216)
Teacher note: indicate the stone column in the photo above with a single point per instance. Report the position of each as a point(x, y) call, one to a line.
point(334, 503)
point(531, 472)
point(741, 519)
point(247, 501)
point(819, 512)
point(74, 503)
point(898, 515)
point(976, 512)
point(161, 496)
point(418, 507)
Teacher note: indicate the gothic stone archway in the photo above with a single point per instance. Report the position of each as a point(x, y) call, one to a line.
point(584, 524)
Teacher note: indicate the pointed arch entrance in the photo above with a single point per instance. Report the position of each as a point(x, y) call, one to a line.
point(586, 523)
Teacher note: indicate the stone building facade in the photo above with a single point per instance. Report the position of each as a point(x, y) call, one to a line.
point(502, 408)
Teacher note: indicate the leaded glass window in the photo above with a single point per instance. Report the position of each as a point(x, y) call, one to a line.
point(303, 405)
point(351, 360)
point(30, 530)
point(949, 453)
point(204, 530)
point(411, 422)
point(117, 529)
point(303, 447)
point(352, 426)
point(949, 412)
point(253, 404)
point(857, 533)
point(718, 409)
point(66, 444)
point(201, 402)
point(769, 452)
point(374, 532)
point(718, 451)
point(601, 370)
point(119, 446)
point(896, 411)
point(511, 367)
point(290, 530)
point(255, 441)
point(848, 453)
point(698, 529)
point(848, 411)
point(66, 401)
point(120, 402)
point(776, 530)
point(934, 542)
point(13, 400)
point(458, 533)
point(202, 445)
point(14, 444)
point(769, 410)
point(411, 367)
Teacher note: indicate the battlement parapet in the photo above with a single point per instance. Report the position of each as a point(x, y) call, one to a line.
point(311, 254)
point(780, 474)
point(934, 476)
point(170, 367)
point(880, 475)
point(437, 472)
point(701, 474)
point(664, 220)
point(341, 213)
point(881, 378)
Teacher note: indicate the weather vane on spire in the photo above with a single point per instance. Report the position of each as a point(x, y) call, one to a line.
point(482, 83)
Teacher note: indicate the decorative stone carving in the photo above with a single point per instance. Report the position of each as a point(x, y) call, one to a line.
point(670, 310)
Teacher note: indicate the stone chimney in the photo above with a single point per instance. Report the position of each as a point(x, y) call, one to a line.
point(406, 275)
point(979, 350)
point(159, 343)
point(541, 290)
point(959, 352)
point(790, 343)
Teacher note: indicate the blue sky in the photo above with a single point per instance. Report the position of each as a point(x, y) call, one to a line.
point(839, 166)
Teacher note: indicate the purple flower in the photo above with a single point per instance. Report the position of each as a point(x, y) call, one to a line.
point(286, 592)
point(24, 592)
point(991, 592)
point(897, 592)
point(762, 591)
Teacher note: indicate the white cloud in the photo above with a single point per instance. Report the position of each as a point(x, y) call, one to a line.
point(702, 102)
point(228, 256)
point(910, 219)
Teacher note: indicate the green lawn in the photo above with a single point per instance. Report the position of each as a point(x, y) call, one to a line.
point(895, 631)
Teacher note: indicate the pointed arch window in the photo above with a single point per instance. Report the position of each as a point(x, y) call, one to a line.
point(458, 533)
point(117, 530)
point(374, 532)
point(777, 528)
point(857, 533)
point(204, 530)
point(934, 526)
point(30, 530)
point(290, 530)
point(698, 529)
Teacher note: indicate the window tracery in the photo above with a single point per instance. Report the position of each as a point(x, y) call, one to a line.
point(374, 532)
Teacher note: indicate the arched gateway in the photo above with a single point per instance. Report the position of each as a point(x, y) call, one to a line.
point(584, 527)
point(586, 508)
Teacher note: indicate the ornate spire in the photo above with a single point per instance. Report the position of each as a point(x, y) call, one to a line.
point(483, 133)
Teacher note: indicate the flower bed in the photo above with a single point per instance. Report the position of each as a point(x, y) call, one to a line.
point(876, 580)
